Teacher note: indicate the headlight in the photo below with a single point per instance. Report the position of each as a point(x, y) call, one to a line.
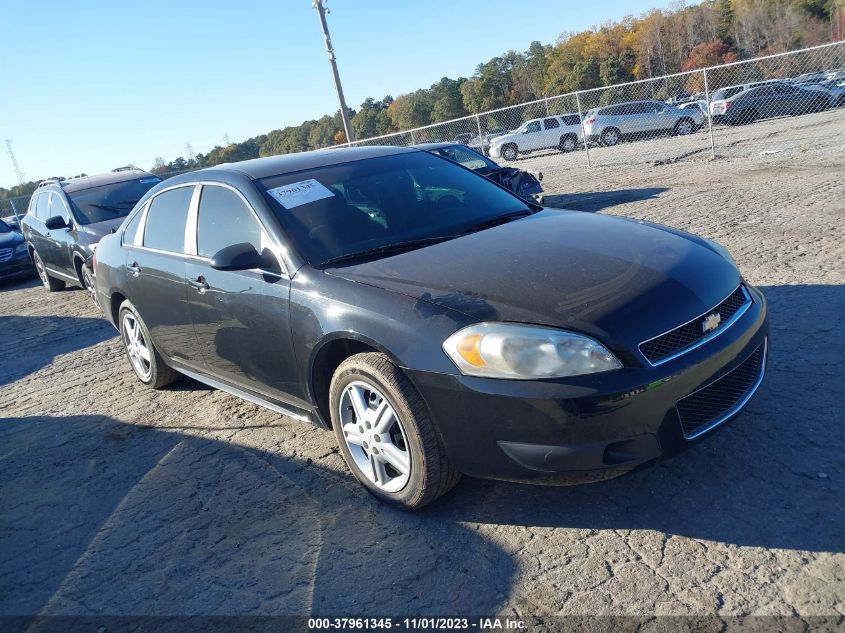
point(524, 352)
point(20, 249)
point(724, 252)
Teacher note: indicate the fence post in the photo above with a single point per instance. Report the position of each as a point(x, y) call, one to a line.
point(15, 211)
point(480, 135)
point(546, 101)
point(583, 129)
point(413, 140)
point(709, 117)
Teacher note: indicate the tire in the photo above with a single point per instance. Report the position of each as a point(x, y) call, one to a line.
point(50, 283)
point(684, 126)
point(610, 137)
point(510, 152)
point(568, 143)
point(152, 370)
point(404, 431)
point(89, 285)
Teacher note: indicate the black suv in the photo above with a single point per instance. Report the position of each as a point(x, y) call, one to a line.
point(66, 219)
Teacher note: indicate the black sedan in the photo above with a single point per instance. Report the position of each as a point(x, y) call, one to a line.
point(523, 183)
point(14, 257)
point(436, 322)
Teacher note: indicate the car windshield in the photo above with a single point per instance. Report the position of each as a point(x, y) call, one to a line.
point(5, 228)
point(108, 202)
point(382, 204)
point(467, 157)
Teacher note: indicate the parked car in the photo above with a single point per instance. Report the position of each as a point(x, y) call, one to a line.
point(524, 183)
point(720, 95)
point(13, 222)
point(833, 91)
point(14, 256)
point(639, 119)
point(699, 104)
point(561, 132)
point(483, 144)
point(436, 322)
point(67, 218)
point(771, 100)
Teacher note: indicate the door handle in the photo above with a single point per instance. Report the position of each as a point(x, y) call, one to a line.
point(134, 269)
point(199, 283)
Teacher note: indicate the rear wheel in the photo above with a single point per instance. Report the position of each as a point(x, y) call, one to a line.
point(684, 126)
point(386, 435)
point(510, 152)
point(50, 283)
point(568, 144)
point(143, 356)
point(610, 137)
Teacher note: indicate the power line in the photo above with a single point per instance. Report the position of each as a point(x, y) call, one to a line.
point(321, 10)
point(18, 172)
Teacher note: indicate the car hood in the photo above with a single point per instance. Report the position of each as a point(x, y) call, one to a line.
point(99, 229)
point(509, 136)
point(10, 240)
point(620, 280)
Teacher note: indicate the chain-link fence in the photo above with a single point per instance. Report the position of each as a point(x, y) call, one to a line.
point(795, 101)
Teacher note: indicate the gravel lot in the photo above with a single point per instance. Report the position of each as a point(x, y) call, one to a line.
point(120, 500)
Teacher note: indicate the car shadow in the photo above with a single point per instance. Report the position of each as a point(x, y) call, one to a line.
point(773, 477)
point(592, 201)
point(106, 517)
point(55, 335)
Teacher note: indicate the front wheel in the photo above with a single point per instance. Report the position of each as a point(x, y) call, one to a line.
point(386, 435)
point(146, 362)
point(50, 283)
point(88, 284)
point(509, 152)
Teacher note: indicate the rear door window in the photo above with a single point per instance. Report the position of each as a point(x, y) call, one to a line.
point(571, 119)
point(550, 124)
point(130, 235)
point(166, 219)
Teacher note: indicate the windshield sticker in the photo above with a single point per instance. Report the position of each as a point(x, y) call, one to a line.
point(298, 193)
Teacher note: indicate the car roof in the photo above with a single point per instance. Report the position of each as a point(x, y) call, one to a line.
point(257, 168)
point(431, 146)
point(87, 182)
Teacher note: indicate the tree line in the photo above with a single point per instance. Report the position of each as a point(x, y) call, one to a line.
point(657, 43)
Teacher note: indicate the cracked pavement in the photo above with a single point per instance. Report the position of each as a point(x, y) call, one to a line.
point(118, 500)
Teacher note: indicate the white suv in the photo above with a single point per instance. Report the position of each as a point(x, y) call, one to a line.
point(562, 132)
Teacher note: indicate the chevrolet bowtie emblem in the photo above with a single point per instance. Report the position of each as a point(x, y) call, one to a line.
point(711, 322)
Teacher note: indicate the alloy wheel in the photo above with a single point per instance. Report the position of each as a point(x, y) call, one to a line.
point(42, 272)
point(88, 282)
point(684, 127)
point(611, 137)
point(375, 437)
point(136, 347)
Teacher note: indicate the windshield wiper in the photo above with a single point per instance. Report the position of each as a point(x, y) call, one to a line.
point(496, 221)
point(387, 249)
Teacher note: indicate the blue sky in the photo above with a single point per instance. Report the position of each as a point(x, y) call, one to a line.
point(101, 83)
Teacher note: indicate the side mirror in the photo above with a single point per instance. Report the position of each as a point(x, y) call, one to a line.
point(241, 256)
point(55, 222)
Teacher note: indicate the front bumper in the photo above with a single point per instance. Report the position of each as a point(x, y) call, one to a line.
point(585, 427)
point(20, 266)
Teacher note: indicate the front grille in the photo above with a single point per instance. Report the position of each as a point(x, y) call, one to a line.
point(660, 348)
point(706, 408)
point(5, 254)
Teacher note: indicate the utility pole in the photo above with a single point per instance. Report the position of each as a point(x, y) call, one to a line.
point(321, 10)
point(18, 172)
